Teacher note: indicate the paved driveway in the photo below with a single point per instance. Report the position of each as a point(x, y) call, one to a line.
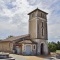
point(20, 57)
point(17, 57)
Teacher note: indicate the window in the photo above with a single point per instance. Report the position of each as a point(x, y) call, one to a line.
point(44, 16)
point(38, 28)
point(33, 46)
point(42, 24)
point(41, 14)
point(42, 32)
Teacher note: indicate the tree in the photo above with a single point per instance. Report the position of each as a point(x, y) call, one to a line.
point(52, 46)
point(58, 45)
point(10, 36)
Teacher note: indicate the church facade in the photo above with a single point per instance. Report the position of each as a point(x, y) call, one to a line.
point(34, 43)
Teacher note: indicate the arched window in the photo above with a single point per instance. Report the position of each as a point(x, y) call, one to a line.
point(34, 47)
point(42, 24)
point(42, 32)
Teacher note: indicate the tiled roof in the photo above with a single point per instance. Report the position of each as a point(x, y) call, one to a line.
point(19, 39)
point(27, 41)
point(15, 38)
point(35, 10)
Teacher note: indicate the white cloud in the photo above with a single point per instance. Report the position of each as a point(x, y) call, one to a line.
point(14, 18)
point(54, 32)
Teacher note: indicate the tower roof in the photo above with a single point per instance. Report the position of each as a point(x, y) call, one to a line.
point(36, 10)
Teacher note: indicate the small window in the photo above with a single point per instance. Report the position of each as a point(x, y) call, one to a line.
point(41, 14)
point(38, 28)
point(44, 16)
point(33, 46)
point(42, 24)
point(42, 32)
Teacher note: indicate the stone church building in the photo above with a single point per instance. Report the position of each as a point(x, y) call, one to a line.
point(34, 43)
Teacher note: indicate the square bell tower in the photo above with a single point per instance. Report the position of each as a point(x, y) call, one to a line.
point(38, 30)
point(38, 24)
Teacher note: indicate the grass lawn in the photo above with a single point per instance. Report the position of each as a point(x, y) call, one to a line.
point(57, 51)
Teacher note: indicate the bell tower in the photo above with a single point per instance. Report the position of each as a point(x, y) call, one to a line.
point(38, 24)
point(38, 30)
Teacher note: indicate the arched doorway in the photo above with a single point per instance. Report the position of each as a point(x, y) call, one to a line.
point(42, 49)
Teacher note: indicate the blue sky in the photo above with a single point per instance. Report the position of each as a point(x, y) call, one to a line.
point(14, 18)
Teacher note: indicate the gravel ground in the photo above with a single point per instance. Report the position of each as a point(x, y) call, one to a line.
point(17, 57)
point(20, 57)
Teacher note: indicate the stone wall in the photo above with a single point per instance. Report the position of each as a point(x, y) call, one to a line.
point(6, 46)
point(45, 43)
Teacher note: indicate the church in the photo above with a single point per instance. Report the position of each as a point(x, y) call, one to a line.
point(34, 43)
